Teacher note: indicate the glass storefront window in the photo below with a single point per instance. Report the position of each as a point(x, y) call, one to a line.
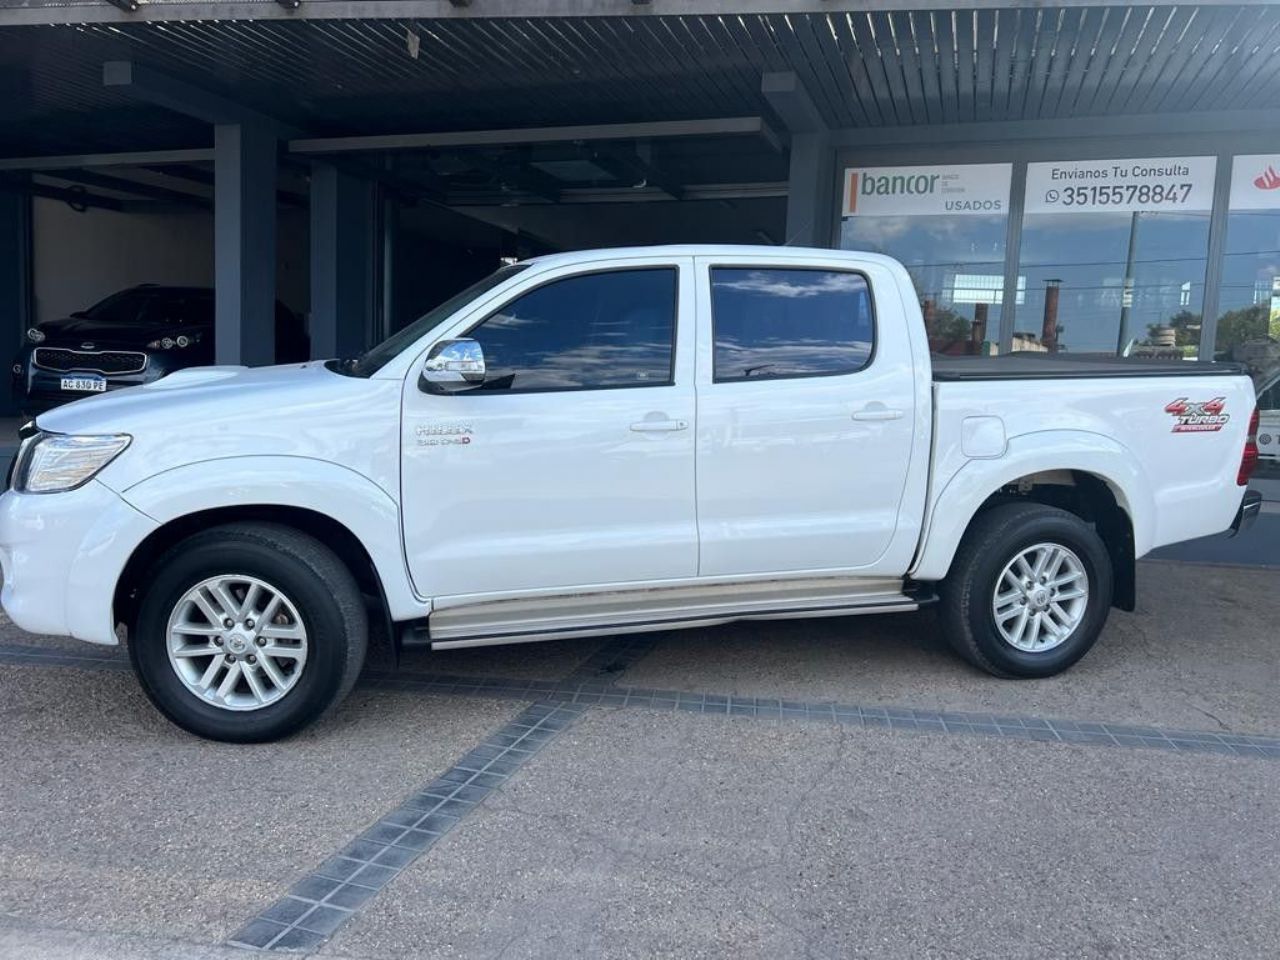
point(1249, 298)
point(1114, 254)
point(947, 225)
point(1104, 282)
point(957, 265)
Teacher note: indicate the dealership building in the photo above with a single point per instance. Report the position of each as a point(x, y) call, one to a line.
point(1085, 178)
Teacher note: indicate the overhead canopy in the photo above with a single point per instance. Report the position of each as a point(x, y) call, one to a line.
point(863, 69)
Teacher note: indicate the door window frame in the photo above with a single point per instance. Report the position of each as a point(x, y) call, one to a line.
point(712, 266)
point(546, 282)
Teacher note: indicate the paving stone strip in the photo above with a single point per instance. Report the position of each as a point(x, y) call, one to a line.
point(321, 902)
point(605, 693)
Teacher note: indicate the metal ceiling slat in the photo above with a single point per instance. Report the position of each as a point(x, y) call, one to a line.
point(927, 54)
point(1232, 85)
point(758, 35)
point(616, 36)
point(730, 80)
point(725, 35)
point(578, 79)
point(587, 69)
point(818, 37)
point(784, 30)
point(722, 82)
point(904, 32)
point(944, 41)
point(1235, 75)
point(1264, 89)
point(984, 69)
point(1021, 63)
point(1046, 38)
point(1138, 34)
point(1201, 23)
point(1135, 90)
point(1117, 20)
point(1222, 58)
point(880, 22)
point(1068, 31)
point(965, 79)
point(1004, 36)
point(1085, 44)
point(855, 66)
point(659, 46)
point(1209, 39)
point(859, 25)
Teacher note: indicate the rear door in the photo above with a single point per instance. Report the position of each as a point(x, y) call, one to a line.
point(572, 465)
point(806, 417)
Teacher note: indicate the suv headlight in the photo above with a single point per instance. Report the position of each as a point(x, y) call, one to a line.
point(55, 462)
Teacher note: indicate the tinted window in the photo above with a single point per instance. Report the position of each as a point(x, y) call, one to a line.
point(122, 307)
point(789, 323)
point(179, 309)
point(612, 329)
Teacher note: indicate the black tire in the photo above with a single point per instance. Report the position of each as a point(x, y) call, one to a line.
point(314, 580)
point(994, 539)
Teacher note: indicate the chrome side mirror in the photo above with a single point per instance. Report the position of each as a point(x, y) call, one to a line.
point(452, 366)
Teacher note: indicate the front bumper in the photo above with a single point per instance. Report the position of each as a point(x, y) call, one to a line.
point(62, 555)
point(1247, 515)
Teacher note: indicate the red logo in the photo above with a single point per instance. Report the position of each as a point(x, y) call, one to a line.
point(1205, 416)
point(1269, 180)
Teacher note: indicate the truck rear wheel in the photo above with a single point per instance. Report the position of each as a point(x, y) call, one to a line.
point(1029, 591)
point(248, 632)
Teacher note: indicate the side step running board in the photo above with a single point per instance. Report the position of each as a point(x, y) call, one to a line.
point(669, 608)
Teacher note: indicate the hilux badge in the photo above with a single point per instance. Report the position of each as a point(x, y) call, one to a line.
point(443, 434)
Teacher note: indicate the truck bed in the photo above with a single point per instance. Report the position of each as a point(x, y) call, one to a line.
point(1065, 366)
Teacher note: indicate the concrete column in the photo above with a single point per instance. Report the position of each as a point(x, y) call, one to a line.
point(812, 175)
point(811, 190)
point(244, 242)
point(16, 314)
point(342, 237)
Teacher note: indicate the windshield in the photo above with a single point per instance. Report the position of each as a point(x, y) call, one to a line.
point(374, 360)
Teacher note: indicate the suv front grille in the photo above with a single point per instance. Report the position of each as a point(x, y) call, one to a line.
point(98, 361)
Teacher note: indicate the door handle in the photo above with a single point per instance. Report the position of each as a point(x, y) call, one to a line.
point(877, 411)
point(659, 426)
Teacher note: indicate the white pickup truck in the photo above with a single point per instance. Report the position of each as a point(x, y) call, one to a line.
point(608, 442)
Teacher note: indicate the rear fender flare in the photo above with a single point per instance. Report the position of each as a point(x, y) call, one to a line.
point(971, 486)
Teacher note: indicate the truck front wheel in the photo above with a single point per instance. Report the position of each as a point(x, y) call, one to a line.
point(1029, 591)
point(248, 632)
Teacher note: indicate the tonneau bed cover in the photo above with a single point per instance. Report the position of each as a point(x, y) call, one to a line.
point(1045, 366)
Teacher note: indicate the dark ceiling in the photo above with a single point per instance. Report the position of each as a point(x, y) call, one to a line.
point(879, 69)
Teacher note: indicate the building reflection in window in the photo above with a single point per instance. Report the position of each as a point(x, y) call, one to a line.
point(1127, 283)
point(957, 265)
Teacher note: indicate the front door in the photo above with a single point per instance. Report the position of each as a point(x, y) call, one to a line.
point(806, 419)
point(572, 464)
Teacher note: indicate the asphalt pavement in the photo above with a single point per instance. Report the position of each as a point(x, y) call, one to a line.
point(837, 788)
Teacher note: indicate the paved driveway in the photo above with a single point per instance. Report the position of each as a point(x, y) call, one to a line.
point(835, 788)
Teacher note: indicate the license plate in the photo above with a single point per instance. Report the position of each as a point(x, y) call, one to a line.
point(85, 383)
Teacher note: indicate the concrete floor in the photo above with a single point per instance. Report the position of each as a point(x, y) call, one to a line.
point(637, 833)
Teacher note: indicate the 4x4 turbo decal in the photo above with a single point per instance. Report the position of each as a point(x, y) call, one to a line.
point(1205, 416)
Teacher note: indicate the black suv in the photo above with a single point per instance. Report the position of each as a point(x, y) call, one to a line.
point(132, 337)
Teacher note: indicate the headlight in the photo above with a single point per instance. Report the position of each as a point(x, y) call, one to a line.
point(35, 335)
point(54, 462)
point(181, 341)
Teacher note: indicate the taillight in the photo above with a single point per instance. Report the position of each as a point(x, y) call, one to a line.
point(1249, 459)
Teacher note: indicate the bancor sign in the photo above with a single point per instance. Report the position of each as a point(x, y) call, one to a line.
point(965, 189)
